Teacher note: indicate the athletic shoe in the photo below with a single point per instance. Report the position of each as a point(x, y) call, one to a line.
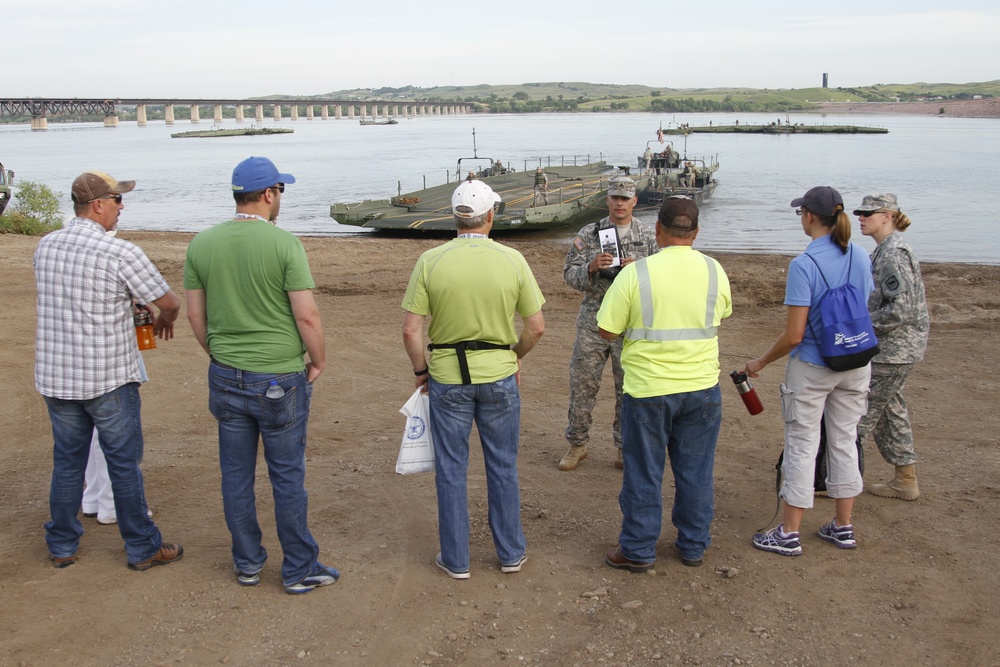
point(615, 559)
point(779, 542)
point(168, 553)
point(321, 575)
point(245, 578)
point(693, 562)
point(63, 561)
point(842, 536)
point(454, 574)
point(514, 567)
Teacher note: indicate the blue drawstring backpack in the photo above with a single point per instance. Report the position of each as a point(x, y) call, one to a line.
point(847, 339)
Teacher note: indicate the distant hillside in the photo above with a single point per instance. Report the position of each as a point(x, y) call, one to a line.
point(581, 96)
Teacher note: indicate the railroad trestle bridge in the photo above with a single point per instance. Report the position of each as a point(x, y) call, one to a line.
point(40, 109)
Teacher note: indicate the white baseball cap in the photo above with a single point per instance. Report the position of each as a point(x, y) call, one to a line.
point(474, 195)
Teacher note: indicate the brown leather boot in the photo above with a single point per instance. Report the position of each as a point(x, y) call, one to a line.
point(902, 486)
point(573, 457)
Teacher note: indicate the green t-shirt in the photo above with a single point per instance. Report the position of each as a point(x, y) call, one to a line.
point(247, 268)
point(471, 289)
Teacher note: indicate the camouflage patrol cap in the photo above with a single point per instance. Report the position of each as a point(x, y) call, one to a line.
point(877, 202)
point(621, 186)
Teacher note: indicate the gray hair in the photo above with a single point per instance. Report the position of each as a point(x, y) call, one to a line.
point(465, 224)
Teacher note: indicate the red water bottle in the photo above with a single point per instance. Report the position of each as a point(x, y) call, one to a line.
point(747, 392)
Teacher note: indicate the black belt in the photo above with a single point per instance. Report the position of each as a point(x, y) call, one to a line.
point(460, 348)
point(222, 365)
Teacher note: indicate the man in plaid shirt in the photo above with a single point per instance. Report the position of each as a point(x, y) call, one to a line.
point(87, 366)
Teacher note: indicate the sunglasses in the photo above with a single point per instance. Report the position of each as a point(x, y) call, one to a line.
point(117, 198)
point(868, 214)
point(280, 187)
point(798, 212)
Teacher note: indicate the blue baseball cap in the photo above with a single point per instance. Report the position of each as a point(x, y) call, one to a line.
point(258, 173)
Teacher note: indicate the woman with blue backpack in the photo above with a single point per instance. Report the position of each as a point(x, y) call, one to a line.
point(829, 341)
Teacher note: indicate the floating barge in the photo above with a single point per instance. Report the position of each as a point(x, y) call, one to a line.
point(775, 128)
point(390, 121)
point(237, 132)
point(576, 196)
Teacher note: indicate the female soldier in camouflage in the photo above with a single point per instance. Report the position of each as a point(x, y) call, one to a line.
point(899, 313)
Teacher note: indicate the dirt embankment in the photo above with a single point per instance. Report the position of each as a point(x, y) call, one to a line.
point(986, 108)
point(921, 589)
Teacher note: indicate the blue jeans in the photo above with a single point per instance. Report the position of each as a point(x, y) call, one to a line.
point(245, 415)
point(116, 417)
point(684, 427)
point(496, 409)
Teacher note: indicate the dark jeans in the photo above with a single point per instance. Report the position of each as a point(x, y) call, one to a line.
point(684, 427)
point(245, 416)
point(116, 417)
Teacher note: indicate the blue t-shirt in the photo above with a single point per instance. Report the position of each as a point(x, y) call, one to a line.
point(805, 286)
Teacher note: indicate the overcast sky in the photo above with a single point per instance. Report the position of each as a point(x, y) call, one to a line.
point(183, 48)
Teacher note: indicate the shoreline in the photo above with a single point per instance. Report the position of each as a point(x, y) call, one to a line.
point(984, 108)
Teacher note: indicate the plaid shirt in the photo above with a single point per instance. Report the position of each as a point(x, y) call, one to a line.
point(86, 280)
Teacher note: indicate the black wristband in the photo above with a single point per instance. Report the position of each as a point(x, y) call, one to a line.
point(426, 371)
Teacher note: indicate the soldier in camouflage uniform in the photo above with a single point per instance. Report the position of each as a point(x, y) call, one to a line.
point(541, 187)
point(899, 314)
point(589, 270)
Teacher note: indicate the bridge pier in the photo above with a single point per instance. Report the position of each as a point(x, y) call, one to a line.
point(309, 112)
point(338, 111)
point(140, 115)
point(217, 113)
point(259, 112)
point(277, 112)
point(195, 114)
point(168, 114)
point(40, 123)
point(325, 111)
point(239, 113)
point(295, 111)
point(111, 121)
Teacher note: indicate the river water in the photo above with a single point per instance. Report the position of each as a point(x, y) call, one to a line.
point(944, 170)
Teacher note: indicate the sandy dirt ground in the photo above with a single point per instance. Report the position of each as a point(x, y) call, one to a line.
point(921, 589)
point(985, 108)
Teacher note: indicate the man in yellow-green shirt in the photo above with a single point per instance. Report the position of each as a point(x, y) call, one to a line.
point(471, 288)
point(668, 307)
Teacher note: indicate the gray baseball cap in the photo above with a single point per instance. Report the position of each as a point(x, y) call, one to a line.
point(621, 186)
point(877, 202)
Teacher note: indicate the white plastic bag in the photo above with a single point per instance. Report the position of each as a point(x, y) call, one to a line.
point(416, 452)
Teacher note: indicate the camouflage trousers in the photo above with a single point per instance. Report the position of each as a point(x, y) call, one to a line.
point(888, 421)
point(590, 355)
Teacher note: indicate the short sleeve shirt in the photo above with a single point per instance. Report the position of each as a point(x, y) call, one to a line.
point(471, 288)
point(247, 268)
point(86, 281)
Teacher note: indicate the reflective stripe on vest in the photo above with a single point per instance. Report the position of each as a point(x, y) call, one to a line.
point(646, 304)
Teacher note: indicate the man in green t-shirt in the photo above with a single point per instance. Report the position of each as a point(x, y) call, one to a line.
point(471, 288)
point(251, 306)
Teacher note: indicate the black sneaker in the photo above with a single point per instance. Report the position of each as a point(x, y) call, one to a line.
point(321, 575)
point(779, 542)
point(246, 578)
point(842, 536)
